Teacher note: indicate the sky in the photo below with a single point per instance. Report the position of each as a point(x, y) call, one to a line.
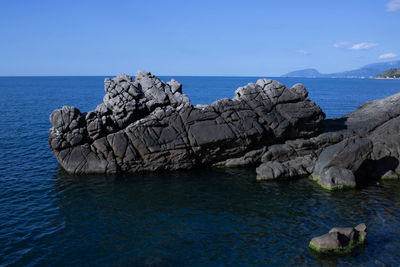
point(221, 38)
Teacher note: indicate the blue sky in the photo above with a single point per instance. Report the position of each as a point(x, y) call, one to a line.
point(256, 38)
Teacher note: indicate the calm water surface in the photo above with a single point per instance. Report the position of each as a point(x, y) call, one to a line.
point(191, 218)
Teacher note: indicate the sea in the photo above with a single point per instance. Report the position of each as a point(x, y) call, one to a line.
point(202, 217)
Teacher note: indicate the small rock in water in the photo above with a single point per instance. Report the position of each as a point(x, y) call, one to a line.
point(340, 240)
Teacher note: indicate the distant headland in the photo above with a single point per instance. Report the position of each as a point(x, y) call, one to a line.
point(367, 71)
point(390, 74)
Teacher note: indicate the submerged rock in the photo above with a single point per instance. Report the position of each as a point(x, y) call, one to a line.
point(340, 240)
point(145, 124)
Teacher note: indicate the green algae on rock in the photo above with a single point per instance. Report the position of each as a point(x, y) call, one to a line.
point(336, 187)
point(390, 175)
point(339, 240)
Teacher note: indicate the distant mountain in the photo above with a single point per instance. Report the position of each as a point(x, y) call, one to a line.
point(390, 74)
point(368, 71)
point(304, 73)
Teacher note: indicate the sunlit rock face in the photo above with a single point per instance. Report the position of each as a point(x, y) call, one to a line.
point(145, 124)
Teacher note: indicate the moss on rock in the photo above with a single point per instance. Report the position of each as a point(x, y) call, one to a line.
point(339, 240)
point(334, 188)
point(338, 251)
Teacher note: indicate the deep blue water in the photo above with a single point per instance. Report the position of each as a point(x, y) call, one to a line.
point(191, 218)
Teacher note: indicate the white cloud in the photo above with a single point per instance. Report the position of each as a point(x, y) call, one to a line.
point(393, 5)
point(354, 46)
point(303, 52)
point(340, 44)
point(388, 55)
point(363, 45)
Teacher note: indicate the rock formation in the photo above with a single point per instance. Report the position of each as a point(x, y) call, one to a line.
point(361, 145)
point(340, 240)
point(145, 124)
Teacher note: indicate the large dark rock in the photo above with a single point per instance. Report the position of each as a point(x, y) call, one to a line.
point(352, 150)
point(297, 157)
point(373, 150)
point(145, 124)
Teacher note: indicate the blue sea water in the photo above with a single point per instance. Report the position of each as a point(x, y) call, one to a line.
point(187, 218)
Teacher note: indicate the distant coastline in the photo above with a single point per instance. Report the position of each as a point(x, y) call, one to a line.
point(367, 71)
point(393, 73)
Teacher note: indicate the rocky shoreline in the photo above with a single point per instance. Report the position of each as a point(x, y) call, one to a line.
point(145, 124)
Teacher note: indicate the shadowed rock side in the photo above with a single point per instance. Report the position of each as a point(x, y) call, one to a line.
point(145, 124)
point(361, 145)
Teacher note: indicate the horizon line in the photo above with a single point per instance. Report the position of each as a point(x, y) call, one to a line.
point(282, 75)
point(158, 75)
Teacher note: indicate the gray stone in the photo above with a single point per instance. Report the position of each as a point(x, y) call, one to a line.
point(145, 124)
point(361, 145)
point(295, 168)
point(337, 178)
point(330, 241)
point(339, 240)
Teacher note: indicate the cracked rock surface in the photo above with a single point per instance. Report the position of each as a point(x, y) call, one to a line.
point(145, 124)
point(361, 145)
